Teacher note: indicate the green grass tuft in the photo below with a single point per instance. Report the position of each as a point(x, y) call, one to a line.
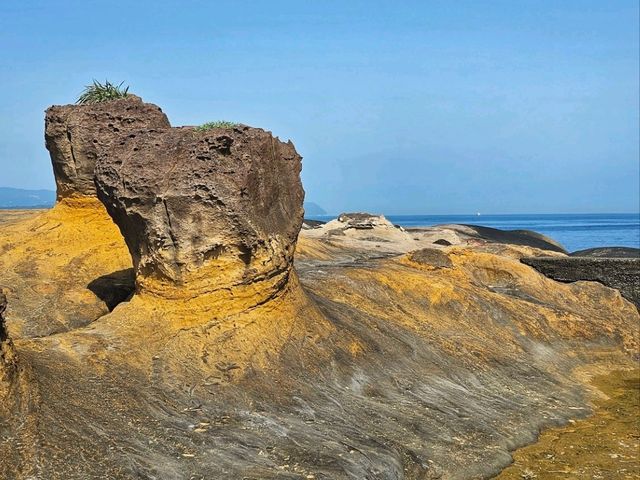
point(98, 92)
point(216, 124)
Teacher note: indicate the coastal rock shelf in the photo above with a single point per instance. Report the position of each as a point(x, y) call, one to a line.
point(380, 352)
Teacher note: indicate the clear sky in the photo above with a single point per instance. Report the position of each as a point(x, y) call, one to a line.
point(396, 106)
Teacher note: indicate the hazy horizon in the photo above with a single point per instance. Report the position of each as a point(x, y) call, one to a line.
point(401, 109)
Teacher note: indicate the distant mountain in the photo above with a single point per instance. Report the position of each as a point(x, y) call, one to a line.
point(311, 208)
point(21, 198)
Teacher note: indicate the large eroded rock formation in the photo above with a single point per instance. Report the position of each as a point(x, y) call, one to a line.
point(74, 134)
point(203, 212)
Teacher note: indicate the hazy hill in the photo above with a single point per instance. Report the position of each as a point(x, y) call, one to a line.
point(311, 208)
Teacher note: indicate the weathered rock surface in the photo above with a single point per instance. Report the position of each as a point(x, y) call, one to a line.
point(74, 134)
point(308, 224)
point(379, 369)
point(204, 212)
point(443, 242)
point(51, 263)
point(8, 363)
point(358, 235)
point(9, 385)
point(361, 220)
point(620, 273)
point(361, 234)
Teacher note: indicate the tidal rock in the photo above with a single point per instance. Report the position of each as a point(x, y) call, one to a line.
point(75, 133)
point(620, 273)
point(309, 224)
point(443, 242)
point(205, 211)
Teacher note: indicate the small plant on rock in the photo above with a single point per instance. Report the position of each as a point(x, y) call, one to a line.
point(216, 124)
point(101, 92)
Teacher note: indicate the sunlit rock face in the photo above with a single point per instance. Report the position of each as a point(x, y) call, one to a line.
point(75, 133)
point(215, 211)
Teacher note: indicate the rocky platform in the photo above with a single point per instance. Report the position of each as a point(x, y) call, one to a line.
point(384, 354)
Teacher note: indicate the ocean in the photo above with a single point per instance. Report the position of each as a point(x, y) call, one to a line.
point(573, 231)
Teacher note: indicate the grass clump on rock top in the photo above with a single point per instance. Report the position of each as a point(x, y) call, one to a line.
point(216, 124)
point(102, 92)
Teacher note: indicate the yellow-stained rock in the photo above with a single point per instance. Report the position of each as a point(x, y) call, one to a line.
point(49, 261)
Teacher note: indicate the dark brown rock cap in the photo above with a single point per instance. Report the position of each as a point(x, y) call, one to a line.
point(75, 133)
point(205, 211)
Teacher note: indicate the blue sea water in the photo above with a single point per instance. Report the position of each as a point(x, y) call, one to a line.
point(573, 231)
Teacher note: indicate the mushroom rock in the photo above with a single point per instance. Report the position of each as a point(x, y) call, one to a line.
point(75, 133)
point(214, 212)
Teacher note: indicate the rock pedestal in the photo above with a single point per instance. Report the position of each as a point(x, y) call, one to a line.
point(75, 133)
point(215, 211)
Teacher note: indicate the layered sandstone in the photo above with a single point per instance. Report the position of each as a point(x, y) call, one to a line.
point(205, 212)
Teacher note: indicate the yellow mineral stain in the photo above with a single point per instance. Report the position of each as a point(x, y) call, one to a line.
point(52, 257)
point(77, 229)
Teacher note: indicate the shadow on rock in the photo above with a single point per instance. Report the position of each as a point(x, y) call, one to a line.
point(114, 288)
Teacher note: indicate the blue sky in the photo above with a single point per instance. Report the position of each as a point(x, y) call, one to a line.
point(430, 107)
